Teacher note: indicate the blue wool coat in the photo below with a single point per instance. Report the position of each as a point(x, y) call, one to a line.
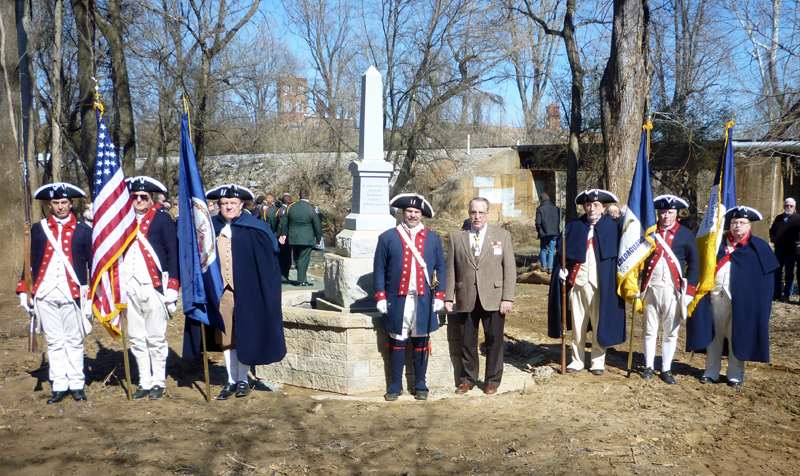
point(81, 251)
point(163, 237)
point(611, 325)
point(257, 316)
point(387, 269)
point(751, 285)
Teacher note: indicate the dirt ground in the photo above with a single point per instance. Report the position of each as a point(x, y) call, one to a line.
point(564, 425)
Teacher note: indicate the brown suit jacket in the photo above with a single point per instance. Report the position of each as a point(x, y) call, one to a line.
point(491, 277)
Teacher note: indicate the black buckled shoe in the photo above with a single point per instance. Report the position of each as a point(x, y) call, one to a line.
point(706, 380)
point(226, 392)
point(56, 397)
point(596, 371)
point(421, 394)
point(648, 373)
point(79, 395)
point(667, 378)
point(734, 384)
point(390, 397)
point(242, 389)
point(140, 392)
point(157, 392)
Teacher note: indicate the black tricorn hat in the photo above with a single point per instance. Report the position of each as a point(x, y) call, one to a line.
point(412, 200)
point(668, 202)
point(143, 183)
point(229, 190)
point(56, 190)
point(595, 195)
point(743, 211)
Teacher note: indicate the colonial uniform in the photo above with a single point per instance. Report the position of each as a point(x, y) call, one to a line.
point(250, 305)
point(737, 310)
point(591, 285)
point(151, 276)
point(409, 292)
point(300, 225)
point(668, 284)
point(61, 256)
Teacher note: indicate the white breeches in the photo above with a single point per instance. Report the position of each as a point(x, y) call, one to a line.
point(237, 371)
point(585, 302)
point(147, 331)
point(660, 307)
point(723, 320)
point(409, 319)
point(61, 322)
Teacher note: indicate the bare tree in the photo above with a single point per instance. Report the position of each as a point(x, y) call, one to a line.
point(624, 92)
point(567, 34)
point(428, 63)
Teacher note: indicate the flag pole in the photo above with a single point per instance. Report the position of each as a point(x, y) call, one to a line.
point(123, 324)
point(202, 325)
point(563, 308)
point(630, 342)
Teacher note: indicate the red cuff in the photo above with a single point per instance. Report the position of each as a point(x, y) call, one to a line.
point(380, 295)
point(691, 290)
point(439, 295)
point(173, 283)
point(21, 287)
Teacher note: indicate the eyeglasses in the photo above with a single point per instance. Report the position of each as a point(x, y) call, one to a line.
point(476, 212)
point(143, 197)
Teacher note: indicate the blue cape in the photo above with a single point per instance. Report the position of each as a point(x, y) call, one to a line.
point(751, 286)
point(611, 325)
point(257, 316)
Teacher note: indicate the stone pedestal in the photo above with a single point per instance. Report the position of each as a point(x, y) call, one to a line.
point(346, 353)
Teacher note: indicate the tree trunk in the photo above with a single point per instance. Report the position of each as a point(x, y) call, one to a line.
point(623, 94)
point(10, 171)
point(55, 93)
point(123, 130)
point(199, 119)
point(83, 13)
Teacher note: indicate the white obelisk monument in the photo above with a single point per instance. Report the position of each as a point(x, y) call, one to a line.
point(348, 271)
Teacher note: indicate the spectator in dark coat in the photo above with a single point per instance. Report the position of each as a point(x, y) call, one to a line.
point(785, 237)
point(548, 219)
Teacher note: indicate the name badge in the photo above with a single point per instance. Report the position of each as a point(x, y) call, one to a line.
point(497, 248)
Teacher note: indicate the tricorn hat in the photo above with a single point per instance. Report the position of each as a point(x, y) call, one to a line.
point(143, 183)
point(55, 190)
point(412, 200)
point(230, 190)
point(668, 202)
point(743, 211)
point(595, 195)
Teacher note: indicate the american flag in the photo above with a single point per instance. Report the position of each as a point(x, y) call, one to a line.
point(113, 230)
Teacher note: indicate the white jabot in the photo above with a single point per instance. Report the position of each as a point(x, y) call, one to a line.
point(226, 231)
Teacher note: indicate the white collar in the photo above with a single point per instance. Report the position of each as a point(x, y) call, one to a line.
point(414, 230)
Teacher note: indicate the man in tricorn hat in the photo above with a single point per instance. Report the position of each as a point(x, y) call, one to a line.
point(150, 274)
point(738, 308)
point(250, 306)
point(61, 256)
point(668, 284)
point(592, 242)
point(409, 280)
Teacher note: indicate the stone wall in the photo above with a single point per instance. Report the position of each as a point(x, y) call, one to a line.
point(346, 353)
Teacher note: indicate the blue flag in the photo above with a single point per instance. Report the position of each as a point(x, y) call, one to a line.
point(639, 224)
point(201, 279)
point(721, 199)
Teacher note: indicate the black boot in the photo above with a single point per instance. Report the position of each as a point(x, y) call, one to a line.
point(397, 359)
point(421, 352)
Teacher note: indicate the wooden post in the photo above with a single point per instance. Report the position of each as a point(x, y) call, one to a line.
point(205, 361)
point(123, 324)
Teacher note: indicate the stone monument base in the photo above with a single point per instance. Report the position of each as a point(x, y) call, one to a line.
point(346, 353)
point(348, 283)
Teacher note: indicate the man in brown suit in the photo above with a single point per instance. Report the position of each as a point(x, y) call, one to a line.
point(481, 279)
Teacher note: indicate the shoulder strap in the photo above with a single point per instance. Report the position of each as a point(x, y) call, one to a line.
point(57, 251)
point(414, 252)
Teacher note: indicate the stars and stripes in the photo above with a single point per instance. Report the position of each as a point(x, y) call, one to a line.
point(114, 229)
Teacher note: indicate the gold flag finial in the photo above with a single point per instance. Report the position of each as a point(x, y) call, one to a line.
point(98, 100)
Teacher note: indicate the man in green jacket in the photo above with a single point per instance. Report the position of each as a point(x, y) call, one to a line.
point(300, 228)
